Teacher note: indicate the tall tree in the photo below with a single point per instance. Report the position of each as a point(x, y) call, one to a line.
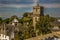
point(6, 20)
point(25, 14)
point(43, 25)
point(1, 20)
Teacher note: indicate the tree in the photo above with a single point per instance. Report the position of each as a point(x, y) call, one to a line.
point(51, 19)
point(27, 19)
point(25, 14)
point(20, 36)
point(32, 32)
point(21, 21)
point(12, 17)
point(43, 25)
point(6, 20)
point(1, 20)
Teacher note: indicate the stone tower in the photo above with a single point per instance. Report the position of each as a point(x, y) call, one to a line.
point(37, 12)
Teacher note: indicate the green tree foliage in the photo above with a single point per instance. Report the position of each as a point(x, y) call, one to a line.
point(1, 20)
point(31, 32)
point(51, 19)
point(12, 17)
point(9, 20)
point(27, 19)
point(25, 34)
point(20, 36)
point(21, 21)
point(6, 20)
point(25, 14)
point(44, 25)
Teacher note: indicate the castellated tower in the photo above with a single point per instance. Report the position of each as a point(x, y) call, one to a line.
point(37, 12)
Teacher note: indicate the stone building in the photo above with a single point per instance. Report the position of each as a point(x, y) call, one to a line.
point(9, 29)
point(4, 37)
point(37, 12)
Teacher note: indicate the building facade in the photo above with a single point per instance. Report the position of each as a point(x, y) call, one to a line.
point(37, 12)
point(4, 37)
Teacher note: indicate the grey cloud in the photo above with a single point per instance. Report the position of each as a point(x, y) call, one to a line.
point(30, 5)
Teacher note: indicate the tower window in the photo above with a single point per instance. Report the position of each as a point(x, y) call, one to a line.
point(33, 8)
point(36, 10)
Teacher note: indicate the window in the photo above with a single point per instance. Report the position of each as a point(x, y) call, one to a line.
point(36, 9)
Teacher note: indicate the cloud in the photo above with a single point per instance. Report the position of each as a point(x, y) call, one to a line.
point(35, 2)
point(15, 5)
point(51, 5)
point(20, 5)
point(30, 5)
point(54, 5)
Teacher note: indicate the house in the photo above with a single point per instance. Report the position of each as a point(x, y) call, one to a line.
point(15, 22)
point(7, 31)
point(4, 37)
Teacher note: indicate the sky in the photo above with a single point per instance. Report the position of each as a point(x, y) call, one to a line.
point(18, 7)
